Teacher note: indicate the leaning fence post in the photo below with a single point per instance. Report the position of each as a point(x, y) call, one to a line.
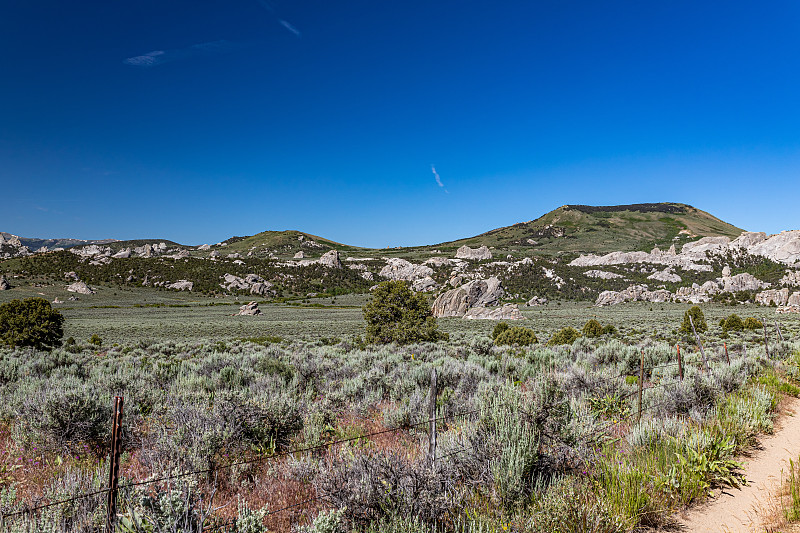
point(113, 469)
point(766, 343)
point(680, 363)
point(641, 384)
point(432, 419)
point(699, 344)
point(778, 329)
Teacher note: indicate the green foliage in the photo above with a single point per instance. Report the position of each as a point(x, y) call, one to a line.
point(609, 406)
point(752, 323)
point(516, 336)
point(698, 470)
point(566, 335)
point(732, 323)
point(792, 511)
point(609, 329)
point(30, 322)
point(395, 313)
point(593, 328)
point(96, 340)
point(697, 317)
point(499, 328)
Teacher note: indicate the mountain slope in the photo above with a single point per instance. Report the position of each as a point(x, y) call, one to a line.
point(602, 229)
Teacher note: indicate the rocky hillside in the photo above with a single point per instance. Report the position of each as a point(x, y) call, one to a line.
point(607, 255)
point(601, 229)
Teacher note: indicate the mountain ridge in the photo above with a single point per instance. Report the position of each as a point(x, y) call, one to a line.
point(570, 228)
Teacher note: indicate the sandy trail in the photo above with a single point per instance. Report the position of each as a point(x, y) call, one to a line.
point(743, 510)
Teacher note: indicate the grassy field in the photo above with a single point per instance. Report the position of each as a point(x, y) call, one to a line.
point(130, 315)
point(288, 421)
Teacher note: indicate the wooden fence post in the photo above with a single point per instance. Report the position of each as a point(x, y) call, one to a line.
point(113, 468)
point(699, 344)
point(766, 343)
point(432, 418)
point(641, 385)
point(680, 363)
point(778, 329)
point(727, 357)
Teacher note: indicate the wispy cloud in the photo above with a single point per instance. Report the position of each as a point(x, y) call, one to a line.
point(438, 179)
point(290, 27)
point(269, 6)
point(159, 57)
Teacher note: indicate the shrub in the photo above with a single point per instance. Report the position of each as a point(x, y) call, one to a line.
point(499, 328)
point(564, 336)
point(752, 323)
point(395, 313)
point(30, 322)
point(62, 420)
point(697, 317)
point(732, 323)
point(96, 340)
point(593, 328)
point(516, 336)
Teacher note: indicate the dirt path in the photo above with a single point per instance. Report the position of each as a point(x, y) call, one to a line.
point(743, 510)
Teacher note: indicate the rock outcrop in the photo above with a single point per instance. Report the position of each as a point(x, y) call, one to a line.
point(249, 309)
point(252, 283)
point(437, 261)
point(4, 284)
point(667, 275)
point(783, 247)
point(601, 274)
point(536, 301)
point(505, 312)
point(400, 269)
point(476, 293)
point(80, 287)
point(330, 259)
point(478, 254)
point(740, 282)
point(633, 293)
point(299, 255)
point(773, 297)
point(426, 284)
point(792, 278)
point(122, 254)
point(181, 285)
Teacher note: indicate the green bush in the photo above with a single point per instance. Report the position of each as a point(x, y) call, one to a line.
point(516, 336)
point(752, 323)
point(499, 328)
point(566, 335)
point(608, 329)
point(732, 323)
point(697, 317)
point(30, 322)
point(395, 313)
point(96, 340)
point(592, 328)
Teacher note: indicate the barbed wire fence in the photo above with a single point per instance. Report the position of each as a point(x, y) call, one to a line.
point(114, 486)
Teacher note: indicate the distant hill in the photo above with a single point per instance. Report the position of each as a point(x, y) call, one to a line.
point(568, 229)
point(33, 244)
point(602, 229)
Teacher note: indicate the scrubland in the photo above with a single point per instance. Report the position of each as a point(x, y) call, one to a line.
point(289, 421)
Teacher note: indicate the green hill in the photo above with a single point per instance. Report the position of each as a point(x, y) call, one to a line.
point(283, 244)
point(602, 229)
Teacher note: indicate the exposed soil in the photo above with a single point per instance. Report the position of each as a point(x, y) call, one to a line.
point(752, 508)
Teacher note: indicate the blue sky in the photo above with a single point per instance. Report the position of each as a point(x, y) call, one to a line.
point(195, 121)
